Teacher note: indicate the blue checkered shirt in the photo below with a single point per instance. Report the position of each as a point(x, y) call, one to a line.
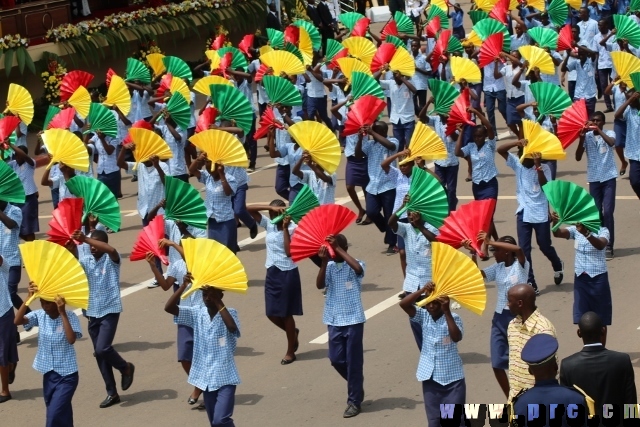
point(585, 78)
point(177, 164)
point(274, 243)
point(531, 199)
point(282, 137)
point(219, 206)
point(350, 143)
point(63, 190)
point(150, 187)
point(379, 181)
point(104, 284)
point(418, 250)
point(441, 129)
point(552, 78)
point(240, 174)
point(25, 173)
point(588, 259)
point(419, 80)
point(439, 358)
point(483, 162)
point(326, 192)
point(601, 164)
point(292, 154)
point(523, 40)
point(213, 364)
point(9, 237)
point(489, 82)
point(632, 147)
point(619, 97)
point(505, 278)
point(5, 295)
point(172, 232)
point(107, 163)
point(89, 173)
point(177, 270)
point(402, 109)
point(343, 305)
point(402, 188)
point(139, 106)
point(54, 351)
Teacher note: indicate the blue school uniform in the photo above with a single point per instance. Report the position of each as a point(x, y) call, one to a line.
point(222, 224)
point(483, 169)
point(150, 187)
point(447, 169)
point(25, 171)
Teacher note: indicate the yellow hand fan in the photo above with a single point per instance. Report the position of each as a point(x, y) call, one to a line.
point(148, 143)
point(425, 144)
point(264, 49)
point(214, 57)
point(81, 101)
point(513, 4)
point(474, 38)
point(156, 63)
point(55, 271)
point(625, 64)
point(465, 69)
point(538, 58)
point(537, 4)
point(320, 142)
point(484, 5)
point(305, 46)
point(440, 3)
point(213, 264)
point(361, 48)
point(282, 61)
point(221, 147)
point(118, 95)
point(576, 4)
point(541, 141)
point(65, 147)
point(403, 63)
point(349, 65)
point(203, 84)
point(179, 86)
point(20, 103)
point(455, 275)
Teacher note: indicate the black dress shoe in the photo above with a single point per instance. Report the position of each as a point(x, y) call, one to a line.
point(5, 398)
point(110, 401)
point(12, 375)
point(127, 380)
point(351, 411)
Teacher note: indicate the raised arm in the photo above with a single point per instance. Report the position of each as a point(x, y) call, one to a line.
point(99, 245)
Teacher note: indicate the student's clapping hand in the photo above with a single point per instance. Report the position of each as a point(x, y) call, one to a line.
point(188, 278)
point(331, 239)
point(582, 229)
point(155, 160)
point(164, 243)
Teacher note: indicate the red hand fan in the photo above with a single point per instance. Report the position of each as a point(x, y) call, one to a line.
point(165, 84)
point(7, 125)
point(565, 38)
point(500, 11)
point(245, 44)
point(360, 29)
point(139, 124)
point(67, 218)
point(225, 63)
point(63, 119)
point(433, 27)
point(314, 228)
point(148, 241)
point(440, 48)
point(72, 81)
point(466, 222)
point(383, 56)
point(267, 120)
point(572, 122)
point(490, 49)
point(218, 42)
point(292, 34)
point(261, 72)
point(110, 73)
point(364, 112)
point(390, 29)
point(206, 119)
point(334, 62)
point(459, 113)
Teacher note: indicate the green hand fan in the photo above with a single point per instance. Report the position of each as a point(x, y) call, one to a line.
point(545, 37)
point(454, 45)
point(51, 113)
point(635, 79)
point(477, 16)
point(427, 196)
point(281, 91)
point(349, 19)
point(444, 95)
point(314, 34)
point(98, 200)
point(558, 12)
point(276, 38)
point(101, 119)
point(137, 71)
point(302, 204)
point(433, 12)
point(232, 105)
point(634, 6)
point(180, 111)
point(238, 59)
point(183, 203)
point(551, 99)
point(403, 23)
point(397, 42)
point(627, 30)
point(292, 49)
point(573, 204)
point(333, 47)
point(364, 84)
point(177, 67)
point(490, 26)
point(11, 189)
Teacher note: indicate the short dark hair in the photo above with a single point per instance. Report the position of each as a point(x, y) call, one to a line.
point(600, 114)
point(100, 235)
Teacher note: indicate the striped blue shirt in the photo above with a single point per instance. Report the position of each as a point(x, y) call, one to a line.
point(379, 181)
point(531, 199)
point(343, 304)
point(588, 259)
point(103, 276)
point(274, 243)
point(506, 278)
point(483, 162)
point(10, 237)
point(418, 250)
point(601, 163)
point(219, 206)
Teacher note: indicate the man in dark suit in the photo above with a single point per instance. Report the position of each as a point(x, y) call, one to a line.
point(327, 23)
point(605, 375)
point(272, 17)
point(312, 13)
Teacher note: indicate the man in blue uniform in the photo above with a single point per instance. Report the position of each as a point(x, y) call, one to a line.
point(547, 399)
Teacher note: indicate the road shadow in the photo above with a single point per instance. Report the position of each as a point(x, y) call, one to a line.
point(124, 347)
point(390, 403)
point(560, 174)
point(248, 399)
point(247, 352)
point(623, 252)
point(367, 287)
point(26, 394)
point(147, 396)
point(317, 354)
point(564, 287)
point(256, 283)
point(474, 358)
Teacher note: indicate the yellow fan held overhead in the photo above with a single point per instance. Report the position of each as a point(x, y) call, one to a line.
point(65, 147)
point(360, 48)
point(214, 57)
point(203, 84)
point(484, 5)
point(265, 49)
point(283, 62)
point(442, 4)
point(349, 65)
point(320, 142)
point(81, 101)
point(403, 63)
point(538, 58)
point(213, 264)
point(118, 95)
point(306, 47)
point(541, 141)
point(148, 143)
point(156, 64)
point(425, 144)
point(465, 69)
point(55, 272)
point(179, 86)
point(625, 64)
point(20, 103)
point(576, 4)
point(221, 148)
point(537, 4)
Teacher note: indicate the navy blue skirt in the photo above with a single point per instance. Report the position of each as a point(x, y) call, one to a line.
point(282, 292)
point(8, 345)
point(29, 208)
point(499, 344)
point(357, 173)
point(620, 128)
point(486, 189)
point(513, 117)
point(185, 343)
point(592, 294)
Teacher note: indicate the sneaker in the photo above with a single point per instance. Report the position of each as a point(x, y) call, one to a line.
point(558, 275)
point(153, 285)
point(251, 169)
point(535, 288)
point(391, 250)
point(254, 231)
point(609, 254)
point(351, 411)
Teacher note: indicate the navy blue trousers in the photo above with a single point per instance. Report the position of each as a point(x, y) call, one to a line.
point(592, 294)
point(102, 330)
point(604, 194)
point(634, 176)
point(318, 105)
point(112, 181)
point(282, 181)
point(382, 202)
point(403, 133)
point(293, 192)
point(55, 197)
point(490, 99)
point(239, 201)
point(416, 330)
point(543, 239)
point(251, 145)
point(58, 391)
point(219, 405)
point(449, 176)
point(346, 354)
point(15, 273)
point(225, 232)
point(435, 394)
point(485, 189)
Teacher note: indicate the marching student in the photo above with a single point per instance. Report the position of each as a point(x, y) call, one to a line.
point(176, 139)
point(319, 181)
point(59, 180)
point(618, 89)
point(10, 220)
point(628, 112)
point(583, 64)
point(24, 166)
point(108, 171)
point(402, 115)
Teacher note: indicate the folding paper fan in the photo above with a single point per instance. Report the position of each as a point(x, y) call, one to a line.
point(500, 11)
point(572, 122)
point(625, 64)
point(541, 141)
point(283, 62)
point(302, 204)
point(477, 15)
point(140, 124)
point(364, 112)
point(333, 47)
point(65, 147)
point(56, 272)
point(20, 103)
point(465, 69)
point(635, 80)
point(72, 81)
point(440, 48)
point(110, 74)
point(221, 147)
point(118, 95)
point(403, 63)
point(81, 101)
point(558, 12)
point(179, 86)
point(99, 201)
point(395, 41)
point(203, 84)
point(442, 4)
point(67, 218)
point(246, 44)
point(466, 222)
point(565, 38)
point(218, 42)
point(573, 204)
point(538, 58)
point(262, 71)
point(265, 49)
point(383, 56)
point(350, 65)
point(214, 60)
point(490, 49)
point(455, 275)
point(403, 23)
point(551, 99)
point(459, 113)
point(11, 188)
point(316, 226)
point(435, 11)
point(314, 34)
point(281, 91)
point(634, 6)
point(232, 105)
point(306, 47)
point(137, 71)
point(177, 67)
point(485, 5)
point(360, 48)
point(444, 95)
point(537, 4)
point(427, 196)
point(276, 38)
point(163, 87)
point(51, 113)
point(319, 141)
point(364, 84)
point(62, 120)
point(156, 64)
point(474, 39)
point(288, 47)
point(390, 29)
point(544, 37)
point(267, 120)
point(425, 144)
point(433, 27)
point(148, 143)
point(206, 119)
point(147, 241)
point(179, 110)
point(237, 57)
point(8, 125)
point(101, 120)
point(454, 45)
point(333, 64)
point(490, 26)
point(349, 19)
point(182, 202)
point(576, 4)
point(361, 28)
